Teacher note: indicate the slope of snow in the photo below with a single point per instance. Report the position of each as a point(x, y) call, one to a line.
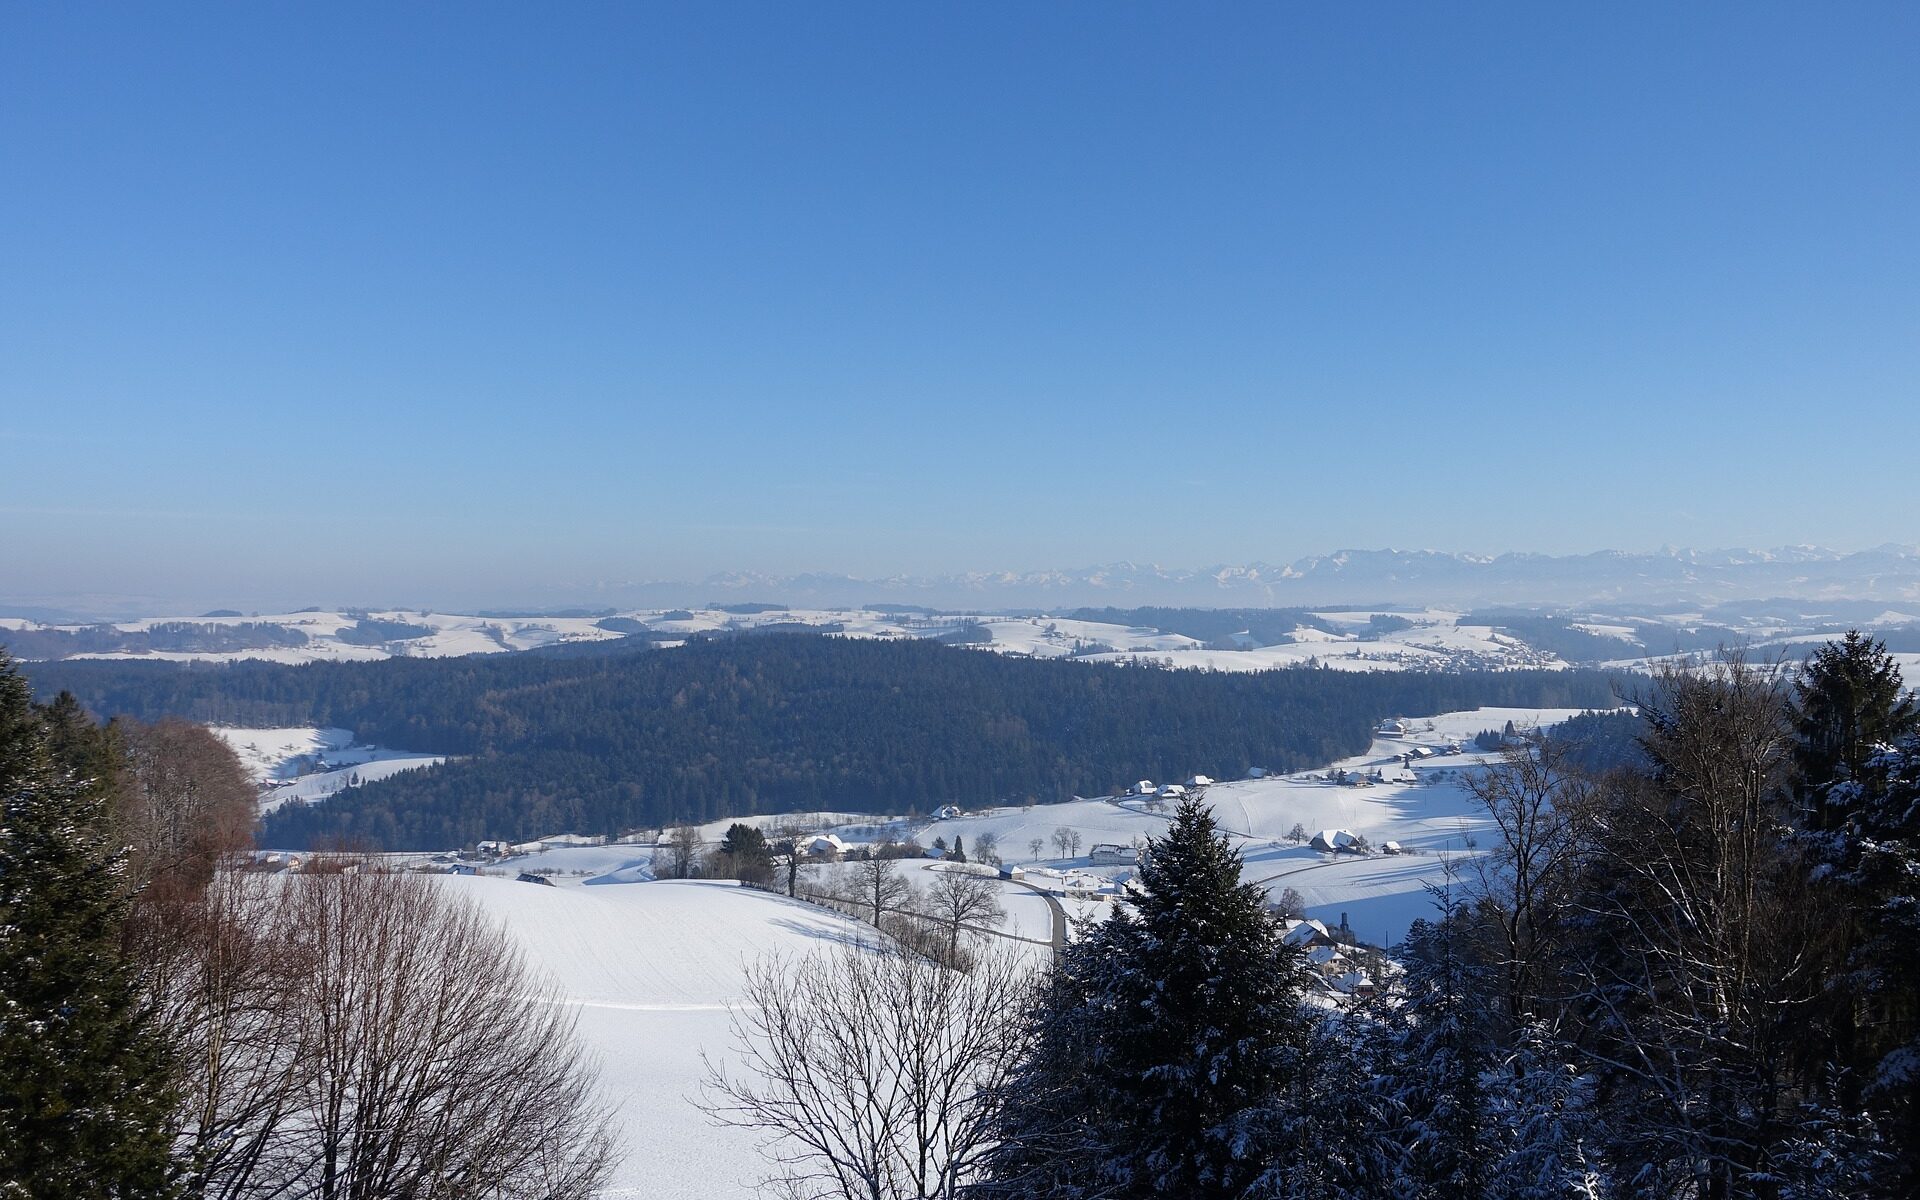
point(651, 968)
point(305, 763)
point(1436, 641)
point(1427, 809)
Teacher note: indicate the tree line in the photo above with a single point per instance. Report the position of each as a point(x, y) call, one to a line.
point(755, 725)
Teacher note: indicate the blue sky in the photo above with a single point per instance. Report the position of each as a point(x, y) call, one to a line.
point(373, 303)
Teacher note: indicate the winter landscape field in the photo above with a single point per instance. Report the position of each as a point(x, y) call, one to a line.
point(959, 601)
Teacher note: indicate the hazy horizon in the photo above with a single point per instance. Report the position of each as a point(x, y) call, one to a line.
point(1057, 585)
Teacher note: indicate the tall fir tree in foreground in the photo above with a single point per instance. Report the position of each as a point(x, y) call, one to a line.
point(85, 1100)
point(1859, 759)
point(1160, 1040)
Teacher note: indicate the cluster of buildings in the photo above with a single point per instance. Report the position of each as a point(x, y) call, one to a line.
point(1170, 791)
point(1332, 957)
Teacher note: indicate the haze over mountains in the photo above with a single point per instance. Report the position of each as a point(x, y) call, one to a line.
point(1888, 573)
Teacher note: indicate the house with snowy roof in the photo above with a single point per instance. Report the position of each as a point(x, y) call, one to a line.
point(823, 845)
point(1336, 841)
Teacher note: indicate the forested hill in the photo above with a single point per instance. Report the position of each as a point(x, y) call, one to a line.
point(741, 726)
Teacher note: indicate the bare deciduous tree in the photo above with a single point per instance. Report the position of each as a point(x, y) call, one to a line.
point(225, 971)
point(681, 854)
point(1707, 950)
point(868, 1071)
point(878, 888)
point(961, 900)
point(1035, 846)
point(361, 1035)
point(1290, 904)
point(1537, 803)
point(186, 803)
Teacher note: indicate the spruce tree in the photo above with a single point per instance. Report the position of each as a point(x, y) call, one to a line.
point(1850, 703)
point(1161, 1039)
point(1445, 1036)
point(85, 1102)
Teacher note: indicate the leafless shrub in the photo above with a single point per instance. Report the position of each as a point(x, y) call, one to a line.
point(868, 1071)
point(681, 854)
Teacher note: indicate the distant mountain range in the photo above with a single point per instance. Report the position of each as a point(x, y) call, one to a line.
point(1612, 579)
point(1888, 574)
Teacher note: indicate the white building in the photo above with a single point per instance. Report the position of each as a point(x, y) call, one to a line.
point(823, 845)
point(1336, 841)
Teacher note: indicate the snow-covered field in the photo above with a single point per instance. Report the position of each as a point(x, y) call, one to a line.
point(650, 969)
point(305, 763)
point(1424, 807)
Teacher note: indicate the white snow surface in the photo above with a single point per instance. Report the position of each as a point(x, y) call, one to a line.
point(1437, 641)
point(1428, 811)
point(308, 763)
point(650, 969)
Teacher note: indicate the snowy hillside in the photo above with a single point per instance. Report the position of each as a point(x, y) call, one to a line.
point(650, 969)
point(311, 764)
point(1429, 640)
point(1370, 639)
point(1423, 806)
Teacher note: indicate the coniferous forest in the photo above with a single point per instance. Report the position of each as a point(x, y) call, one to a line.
point(1696, 977)
point(741, 726)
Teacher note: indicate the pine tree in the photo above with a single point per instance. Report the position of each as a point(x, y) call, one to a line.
point(85, 1101)
point(1161, 1039)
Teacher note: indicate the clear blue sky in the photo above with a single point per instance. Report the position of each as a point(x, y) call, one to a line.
point(422, 302)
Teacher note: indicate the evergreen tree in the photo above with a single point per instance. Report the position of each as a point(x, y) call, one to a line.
point(1879, 861)
point(1445, 1036)
point(1859, 760)
point(1541, 1107)
point(1850, 705)
point(1161, 1039)
point(85, 1101)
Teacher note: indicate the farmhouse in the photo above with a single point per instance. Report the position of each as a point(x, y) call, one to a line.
point(1336, 841)
point(1114, 856)
point(823, 845)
